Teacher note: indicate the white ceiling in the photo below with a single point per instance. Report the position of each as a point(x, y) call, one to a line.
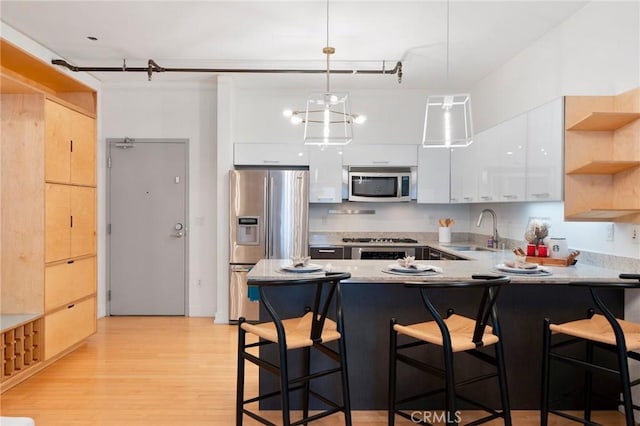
point(291, 34)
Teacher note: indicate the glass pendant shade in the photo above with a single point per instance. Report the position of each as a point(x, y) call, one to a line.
point(447, 121)
point(328, 119)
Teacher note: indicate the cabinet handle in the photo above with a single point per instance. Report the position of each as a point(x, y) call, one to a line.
point(486, 197)
point(70, 261)
point(71, 306)
point(541, 195)
point(468, 198)
point(453, 200)
point(380, 162)
point(71, 221)
point(325, 199)
point(271, 161)
point(510, 196)
point(326, 251)
point(71, 145)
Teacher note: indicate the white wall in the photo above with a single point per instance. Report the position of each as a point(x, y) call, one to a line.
point(594, 52)
point(175, 110)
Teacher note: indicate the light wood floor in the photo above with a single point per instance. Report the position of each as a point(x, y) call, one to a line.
point(159, 371)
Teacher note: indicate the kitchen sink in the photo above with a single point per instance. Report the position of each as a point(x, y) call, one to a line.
point(468, 248)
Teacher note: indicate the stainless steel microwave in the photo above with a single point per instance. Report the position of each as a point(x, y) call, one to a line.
point(386, 185)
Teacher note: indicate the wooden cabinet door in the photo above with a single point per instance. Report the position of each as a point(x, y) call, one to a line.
point(83, 223)
point(57, 142)
point(57, 222)
point(69, 281)
point(83, 149)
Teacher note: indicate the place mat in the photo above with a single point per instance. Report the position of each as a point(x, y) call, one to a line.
point(411, 274)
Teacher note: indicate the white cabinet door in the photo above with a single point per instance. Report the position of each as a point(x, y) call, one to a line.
point(487, 145)
point(325, 174)
point(545, 137)
point(464, 173)
point(270, 154)
point(510, 159)
point(433, 175)
point(380, 155)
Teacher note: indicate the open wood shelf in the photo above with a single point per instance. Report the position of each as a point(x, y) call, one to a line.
point(604, 167)
point(605, 121)
point(602, 214)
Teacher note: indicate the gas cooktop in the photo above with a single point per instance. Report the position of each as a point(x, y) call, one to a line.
point(380, 240)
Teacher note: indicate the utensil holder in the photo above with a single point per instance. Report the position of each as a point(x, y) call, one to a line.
point(444, 234)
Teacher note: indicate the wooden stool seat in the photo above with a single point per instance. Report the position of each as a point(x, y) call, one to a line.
point(297, 331)
point(460, 329)
point(598, 329)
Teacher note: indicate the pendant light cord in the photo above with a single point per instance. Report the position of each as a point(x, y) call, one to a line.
point(327, 52)
point(447, 59)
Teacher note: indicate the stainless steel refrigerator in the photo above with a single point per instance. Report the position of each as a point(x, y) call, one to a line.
point(269, 218)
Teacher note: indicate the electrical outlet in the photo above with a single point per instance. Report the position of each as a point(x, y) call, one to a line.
point(609, 228)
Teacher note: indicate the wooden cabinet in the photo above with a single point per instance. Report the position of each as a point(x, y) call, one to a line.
point(325, 174)
point(48, 221)
point(70, 146)
point(70, 219)
point(602, 157)
point(270, 154)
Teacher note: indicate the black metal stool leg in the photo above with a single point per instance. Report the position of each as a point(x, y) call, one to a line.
point(450, 389)
point(344, 375)
point(502, 379)
point(306, 369)
point(626, 386)
point(284, 384)
point(588, 383)
point(240, 374)
point(391, 403)
point(544, 397)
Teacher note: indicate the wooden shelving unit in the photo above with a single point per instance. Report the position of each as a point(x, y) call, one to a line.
point(604, 167)
point(46, 310)
point(602, 157)
point(605, 121)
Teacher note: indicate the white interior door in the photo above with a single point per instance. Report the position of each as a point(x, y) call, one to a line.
point(147, 229)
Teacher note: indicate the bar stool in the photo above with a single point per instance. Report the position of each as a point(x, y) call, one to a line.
point(311, 330)
point(602, 331)
point(454, 333)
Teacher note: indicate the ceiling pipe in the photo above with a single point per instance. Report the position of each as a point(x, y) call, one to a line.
point(153, 67)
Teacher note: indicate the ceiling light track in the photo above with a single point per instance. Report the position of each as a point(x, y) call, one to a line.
point(152, 67)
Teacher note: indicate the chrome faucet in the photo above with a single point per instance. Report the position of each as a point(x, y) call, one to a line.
point(495, 225)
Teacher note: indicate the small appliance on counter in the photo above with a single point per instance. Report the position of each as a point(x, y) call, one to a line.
point(268, 218)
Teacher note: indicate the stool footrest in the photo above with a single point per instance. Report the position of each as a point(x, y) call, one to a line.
point(584, 364)
point(420, 365)
point(476, 379)
point(574, 418)
point(485, 419)
point(420, 396)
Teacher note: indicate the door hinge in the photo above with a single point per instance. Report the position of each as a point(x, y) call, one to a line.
point(108, 162)
point(108, 229)
point(109, 295)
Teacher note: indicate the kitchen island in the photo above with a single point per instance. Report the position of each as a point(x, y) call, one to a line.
point(372, 297)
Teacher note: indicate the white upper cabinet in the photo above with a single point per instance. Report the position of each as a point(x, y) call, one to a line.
point(545, 137)
point(380, 155)
point(433, 175)
point(325, 174)
point(484, 171)
point(510, 159)
point(465, 172)
point(270, 154)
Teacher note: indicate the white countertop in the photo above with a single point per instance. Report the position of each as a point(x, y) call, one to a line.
point(370, 271)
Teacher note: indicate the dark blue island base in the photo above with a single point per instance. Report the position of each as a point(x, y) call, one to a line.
point(368, 309)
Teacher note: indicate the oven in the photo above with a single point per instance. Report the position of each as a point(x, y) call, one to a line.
point(382, 252)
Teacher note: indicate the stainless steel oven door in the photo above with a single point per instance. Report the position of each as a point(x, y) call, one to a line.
point(384, 253)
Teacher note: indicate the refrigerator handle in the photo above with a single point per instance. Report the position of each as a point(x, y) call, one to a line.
point(268, 196)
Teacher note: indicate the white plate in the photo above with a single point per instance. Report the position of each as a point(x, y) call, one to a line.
point(417, 268)
point(537, 270)
point(309, 267)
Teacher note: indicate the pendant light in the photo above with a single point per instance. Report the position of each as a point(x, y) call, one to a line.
point(447, 118)
point(327, 118)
